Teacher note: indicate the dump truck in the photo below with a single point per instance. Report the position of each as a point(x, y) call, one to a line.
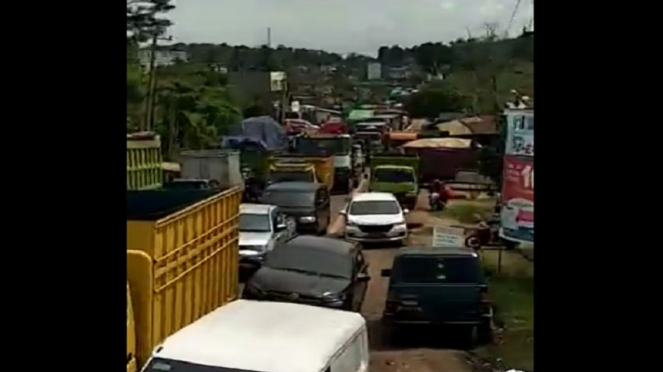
point(294, 162)
point(222, 166)
point(299, 171)
point(182, 262)
point(339, 146)
point(144, 168)
point(396, 174)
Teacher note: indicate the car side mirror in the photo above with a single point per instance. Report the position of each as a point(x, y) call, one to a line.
point(385, 273)
point(343, 212)
point(406, 211)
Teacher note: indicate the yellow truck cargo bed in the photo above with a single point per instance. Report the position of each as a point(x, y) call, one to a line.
point(144, 161)
point(182, 259)
point(324, 165)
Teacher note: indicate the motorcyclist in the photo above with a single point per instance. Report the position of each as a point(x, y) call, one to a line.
point(440, 188)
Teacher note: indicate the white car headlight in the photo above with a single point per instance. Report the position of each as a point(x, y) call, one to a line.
point(307, 219)
point(400, 226)
point(252, 250)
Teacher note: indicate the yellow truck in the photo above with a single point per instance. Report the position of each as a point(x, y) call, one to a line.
point(144, 168)
point(182, 262)
point(301, 167)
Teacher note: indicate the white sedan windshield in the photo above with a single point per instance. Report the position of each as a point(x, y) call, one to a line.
point(254, 222)
point(374, 207)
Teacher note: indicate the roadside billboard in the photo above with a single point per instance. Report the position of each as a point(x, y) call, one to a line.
point(517, 214)
point(520, 133)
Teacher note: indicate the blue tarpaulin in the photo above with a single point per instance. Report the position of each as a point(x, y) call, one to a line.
point(263, 129)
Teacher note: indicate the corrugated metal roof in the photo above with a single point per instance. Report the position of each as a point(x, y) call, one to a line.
point(455, 128)
point(485, 124)
point(453, 143)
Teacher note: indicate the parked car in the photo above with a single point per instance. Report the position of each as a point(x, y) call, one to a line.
point(191, 184)
point(375, 217)
point(312, 270)
point(261, 227)
point(306, 202)
point(438, 286)
point(263, 336)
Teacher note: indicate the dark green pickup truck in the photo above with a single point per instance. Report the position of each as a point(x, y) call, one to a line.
point(438, 286)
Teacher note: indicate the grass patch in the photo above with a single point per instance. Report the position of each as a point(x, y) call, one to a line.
point(513, 295)
point(467, 211)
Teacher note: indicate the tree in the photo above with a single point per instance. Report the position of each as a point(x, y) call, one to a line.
point(430, 102)
point(144, 21)
point(194, 107)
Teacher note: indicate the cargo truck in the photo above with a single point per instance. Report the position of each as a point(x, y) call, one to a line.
point(301, 171)
point(222, 166)
point(396, 174)
point(182, 262)
point(339, 146)
point(144, 168)
point(324, 166)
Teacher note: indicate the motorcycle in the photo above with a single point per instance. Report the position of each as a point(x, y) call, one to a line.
point(435, 203)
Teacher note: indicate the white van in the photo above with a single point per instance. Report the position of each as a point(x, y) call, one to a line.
point(261, 336)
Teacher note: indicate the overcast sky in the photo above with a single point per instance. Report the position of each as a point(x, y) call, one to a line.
point(340, 26)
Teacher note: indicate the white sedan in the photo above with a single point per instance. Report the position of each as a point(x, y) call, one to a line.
point(375, 217)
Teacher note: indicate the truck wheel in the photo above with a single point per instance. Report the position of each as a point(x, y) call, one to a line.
point(485, 332)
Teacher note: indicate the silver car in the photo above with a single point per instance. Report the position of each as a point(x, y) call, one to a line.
point(261, 226)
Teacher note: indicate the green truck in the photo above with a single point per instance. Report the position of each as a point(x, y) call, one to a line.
point(397, 174)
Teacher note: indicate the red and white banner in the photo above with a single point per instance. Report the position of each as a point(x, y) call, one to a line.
point(518, 198)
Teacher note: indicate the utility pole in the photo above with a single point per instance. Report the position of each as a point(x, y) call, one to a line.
point(148, 100)
point(152, 83)
point(269, 37)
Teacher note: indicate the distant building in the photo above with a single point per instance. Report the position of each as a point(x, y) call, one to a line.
point(398, 73)
point(248, 84)
point(373, 71)
point(162, 57)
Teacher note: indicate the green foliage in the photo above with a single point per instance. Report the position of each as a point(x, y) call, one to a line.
point(263, 58)
point(143, 18)
point(193, 107)
point(435, 99)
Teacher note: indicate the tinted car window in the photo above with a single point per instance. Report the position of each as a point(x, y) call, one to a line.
point(393, 175)
point(287, 257)
point(167, 365)
point(374, 207)
point(456, 270)
point(297, 199)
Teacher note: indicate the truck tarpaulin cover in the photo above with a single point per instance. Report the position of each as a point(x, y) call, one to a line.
point(264, 129)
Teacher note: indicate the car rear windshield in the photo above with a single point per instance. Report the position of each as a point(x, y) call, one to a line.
point(430, 269)
point(313, 261)
point(291, 176)
point(293, 199)
point(393, 175)
point(167, 365)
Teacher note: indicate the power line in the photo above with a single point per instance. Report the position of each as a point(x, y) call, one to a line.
point(513, 15)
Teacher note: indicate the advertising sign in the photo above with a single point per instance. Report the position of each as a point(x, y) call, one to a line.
point(517, 216)
point(446, 236)
point(520, 132)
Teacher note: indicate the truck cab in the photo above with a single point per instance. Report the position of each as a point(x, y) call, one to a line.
point(396, 174)
point(336, 145)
